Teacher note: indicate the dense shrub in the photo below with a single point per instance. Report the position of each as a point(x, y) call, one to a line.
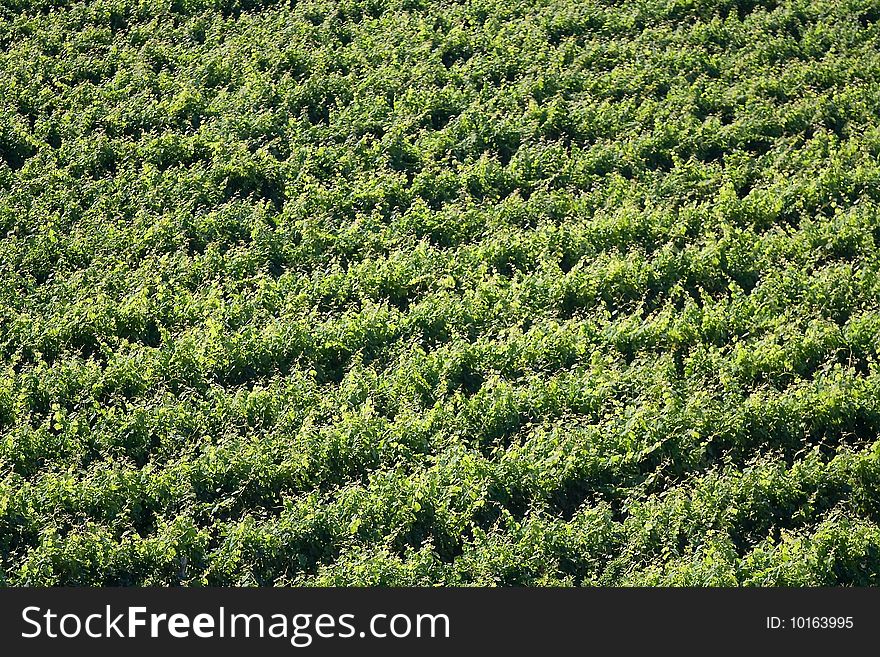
point(531, 292)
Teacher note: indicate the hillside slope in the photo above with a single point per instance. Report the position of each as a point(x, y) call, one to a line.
point(500, 292)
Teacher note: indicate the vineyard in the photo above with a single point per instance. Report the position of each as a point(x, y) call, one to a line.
point(496, 292)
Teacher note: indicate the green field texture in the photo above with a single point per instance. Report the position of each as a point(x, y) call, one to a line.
point(496, 292)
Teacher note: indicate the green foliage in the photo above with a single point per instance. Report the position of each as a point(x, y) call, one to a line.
point(532, 292)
